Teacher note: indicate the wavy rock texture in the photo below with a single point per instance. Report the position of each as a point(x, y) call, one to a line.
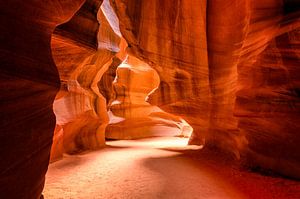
point(267, 104)
point(229, 68)
point(164, 35)
point(215, 65)
point(252, 59)
point(225, 36)
point(88, 90)
point(80, 108)
point(29, 82)
point(131, 116)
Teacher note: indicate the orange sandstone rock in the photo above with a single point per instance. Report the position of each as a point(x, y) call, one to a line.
point(171, 37)
point(228, 68)
point(130, 115)
point(29, 82)
point(80, 107)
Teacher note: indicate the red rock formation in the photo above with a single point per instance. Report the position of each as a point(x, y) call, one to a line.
point(245, 62)
point(80, 108)
point(164, 35)
point(29, 82)
point(214, 96)
point(72, 43)
point(229, 68)
point(267, 105)
point(131, 117)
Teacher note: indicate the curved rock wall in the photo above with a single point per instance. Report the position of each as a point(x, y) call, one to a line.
point(226, 33)
point(131, 117)
point(29, 82)
point(267, 105)
point(224, 67)
point(229, 68)
point(80, 108)
point(171, 37)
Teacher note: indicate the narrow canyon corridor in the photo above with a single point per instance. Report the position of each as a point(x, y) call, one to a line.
point(163, 167)
point(150, 99)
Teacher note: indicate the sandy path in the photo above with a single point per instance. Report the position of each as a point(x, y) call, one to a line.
point(157, 168)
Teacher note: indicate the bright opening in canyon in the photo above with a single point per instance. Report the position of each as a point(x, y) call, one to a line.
point(150, 99)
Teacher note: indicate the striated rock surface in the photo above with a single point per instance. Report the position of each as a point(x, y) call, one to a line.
point(130, 115)
point(267, 105)
point(226, 32)
point(79, 107)
point(171, 37)
point(29, 82)
point(228, 68)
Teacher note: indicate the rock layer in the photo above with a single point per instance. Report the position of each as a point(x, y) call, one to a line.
point(79, 107)
point(171, 38)
point(131, 117)
point(29, 82)
point(215, 66)
point(229, 68)
point(267, 107)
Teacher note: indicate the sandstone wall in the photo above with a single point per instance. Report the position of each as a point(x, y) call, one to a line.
point(228, 68)
point(83, 50)
point(29, 81)
point(171, 37)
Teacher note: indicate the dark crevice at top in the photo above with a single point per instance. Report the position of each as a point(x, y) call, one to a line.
point(291, 6)
point(83, 26)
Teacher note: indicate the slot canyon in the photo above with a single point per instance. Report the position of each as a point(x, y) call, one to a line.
point(150, 99)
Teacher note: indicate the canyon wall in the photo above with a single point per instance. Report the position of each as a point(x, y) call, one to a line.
point(131, 117)
point(74, 47)
point(29, 81)
point(81, 104)
point(228, 68)
point(88, 90)
point(171, 38)
point(267, 105)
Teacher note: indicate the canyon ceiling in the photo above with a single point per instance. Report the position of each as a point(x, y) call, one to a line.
point(75, 72)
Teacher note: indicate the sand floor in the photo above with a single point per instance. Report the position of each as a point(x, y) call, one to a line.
point(158, 168)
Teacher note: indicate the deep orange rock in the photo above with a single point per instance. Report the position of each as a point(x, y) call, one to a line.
point(80, 108)
point(214, 64)
point(29, 82)
point(267, 105)
point(164, 34)
point(131, 117)
point(229, 68)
